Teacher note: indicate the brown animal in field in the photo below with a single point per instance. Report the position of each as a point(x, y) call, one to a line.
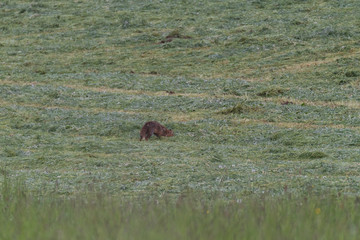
point(155, 128)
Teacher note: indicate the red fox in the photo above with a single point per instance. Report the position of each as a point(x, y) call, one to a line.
point(155, 128)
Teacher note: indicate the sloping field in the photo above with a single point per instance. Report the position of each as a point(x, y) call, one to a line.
point(263, 96)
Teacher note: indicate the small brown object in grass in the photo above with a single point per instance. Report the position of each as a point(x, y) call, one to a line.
point(155, 128)
point(286, 103)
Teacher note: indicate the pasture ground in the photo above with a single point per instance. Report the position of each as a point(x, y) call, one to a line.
point(263, 97)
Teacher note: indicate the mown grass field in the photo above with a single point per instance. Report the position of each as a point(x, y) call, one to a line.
point(263, 97)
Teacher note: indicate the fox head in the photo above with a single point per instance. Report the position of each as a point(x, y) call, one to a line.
point(169, 133)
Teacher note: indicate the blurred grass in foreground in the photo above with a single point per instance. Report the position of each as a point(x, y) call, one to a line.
point(192, 215)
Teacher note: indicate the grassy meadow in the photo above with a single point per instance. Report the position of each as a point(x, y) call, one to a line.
point(191, 217)
point(263, 98)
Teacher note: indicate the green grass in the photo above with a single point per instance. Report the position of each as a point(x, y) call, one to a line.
point(263, 98)
point(192, 215)
point(79, 79)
